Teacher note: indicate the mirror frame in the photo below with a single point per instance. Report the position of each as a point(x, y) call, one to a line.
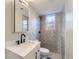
point(13, 19)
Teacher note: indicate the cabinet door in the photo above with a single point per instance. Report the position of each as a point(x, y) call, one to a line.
point(31, 55)
point(11, 55)
point(34, 54)
point(37, 52)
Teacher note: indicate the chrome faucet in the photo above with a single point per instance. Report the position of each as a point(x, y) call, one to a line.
point(22, 40)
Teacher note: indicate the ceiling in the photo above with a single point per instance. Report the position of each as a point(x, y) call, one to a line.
point(44, 7)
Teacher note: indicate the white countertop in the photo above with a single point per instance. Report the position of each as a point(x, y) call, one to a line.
point(22, 49)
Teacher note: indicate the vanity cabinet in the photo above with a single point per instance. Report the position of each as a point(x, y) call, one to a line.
point(34, 54)
point(29, 51)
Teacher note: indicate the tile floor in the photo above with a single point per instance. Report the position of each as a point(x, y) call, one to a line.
point(54, 56)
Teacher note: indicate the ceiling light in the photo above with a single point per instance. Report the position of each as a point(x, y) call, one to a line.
point(29, 0)
point(24, 2)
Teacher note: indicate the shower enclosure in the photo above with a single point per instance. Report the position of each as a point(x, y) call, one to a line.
point(52, 34)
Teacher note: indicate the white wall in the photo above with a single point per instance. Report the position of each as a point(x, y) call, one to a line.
point(33, 23)
point(69, 28)
point(69, 36)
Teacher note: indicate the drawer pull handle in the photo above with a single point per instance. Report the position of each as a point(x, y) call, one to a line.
point(36, 54)
point(38, 50)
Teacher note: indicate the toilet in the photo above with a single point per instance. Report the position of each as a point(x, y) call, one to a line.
point(44, 52)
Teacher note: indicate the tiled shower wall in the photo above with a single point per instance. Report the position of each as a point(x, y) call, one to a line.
point(52, 39)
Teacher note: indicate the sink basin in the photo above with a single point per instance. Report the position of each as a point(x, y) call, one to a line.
point(27, 44)
point(22, 49)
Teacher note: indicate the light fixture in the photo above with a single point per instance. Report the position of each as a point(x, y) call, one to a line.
point(24, 2)
point(29, 0)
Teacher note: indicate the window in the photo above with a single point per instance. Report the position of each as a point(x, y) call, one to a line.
point(25, 24)
point(50, 22)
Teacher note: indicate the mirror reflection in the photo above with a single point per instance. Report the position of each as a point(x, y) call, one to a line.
point(20, 16)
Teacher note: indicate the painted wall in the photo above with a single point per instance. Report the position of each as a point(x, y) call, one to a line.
point(69, 28)
point(33, 23)
point(69, 36)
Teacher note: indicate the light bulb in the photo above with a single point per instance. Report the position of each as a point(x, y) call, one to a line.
point(25, 2)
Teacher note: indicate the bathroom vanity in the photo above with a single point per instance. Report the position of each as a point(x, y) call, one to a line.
point(27, 50)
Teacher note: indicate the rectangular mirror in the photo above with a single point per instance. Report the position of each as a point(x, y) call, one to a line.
point(20, 16)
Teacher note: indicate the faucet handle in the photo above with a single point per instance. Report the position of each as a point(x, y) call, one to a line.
point(17, 42)
point(23, 40)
